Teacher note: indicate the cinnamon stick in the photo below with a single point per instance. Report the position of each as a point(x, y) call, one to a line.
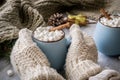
point(66, 25)
point(106, 15)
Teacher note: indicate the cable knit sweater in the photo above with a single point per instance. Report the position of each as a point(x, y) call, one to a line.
point(17, 14)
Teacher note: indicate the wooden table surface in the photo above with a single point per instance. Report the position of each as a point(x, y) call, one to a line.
point(104, 61)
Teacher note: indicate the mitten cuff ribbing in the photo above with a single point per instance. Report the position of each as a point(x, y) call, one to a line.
point(42, 73)
point(83, 70)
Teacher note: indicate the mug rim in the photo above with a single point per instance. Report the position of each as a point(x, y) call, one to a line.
point(48, 41)
point(107, 25)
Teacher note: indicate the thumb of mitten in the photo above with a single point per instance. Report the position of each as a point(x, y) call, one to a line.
point(76, 33)
point(25, 37)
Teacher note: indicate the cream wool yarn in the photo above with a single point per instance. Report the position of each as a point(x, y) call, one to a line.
point(82, 56)
point(106, 75)
point(28, 59)
point(49, 7)
point(42, 73)
point(17, 14)
point(82, 45)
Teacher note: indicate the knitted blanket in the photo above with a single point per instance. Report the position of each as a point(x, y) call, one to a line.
point(17, 14)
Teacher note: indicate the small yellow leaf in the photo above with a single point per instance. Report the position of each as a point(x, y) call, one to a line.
point(79, 19)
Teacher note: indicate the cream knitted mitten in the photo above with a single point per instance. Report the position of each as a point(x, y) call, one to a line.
point(81, 57)
point(29, 61)
point(106, 75)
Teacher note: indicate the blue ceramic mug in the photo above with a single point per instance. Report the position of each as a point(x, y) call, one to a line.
point(107, 39)
point(55, 51)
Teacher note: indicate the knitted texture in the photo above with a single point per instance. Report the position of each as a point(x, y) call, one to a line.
point(49, 7)
point(17, 14)
point(28, 60)
point(31, 17)
point(106, 75)
point(42, 73)
point(9, 20)
point(81, 57)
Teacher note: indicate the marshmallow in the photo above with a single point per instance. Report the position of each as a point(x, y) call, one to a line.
point(51, 38)
point(43, 34)
point(114, 22)
point(10, 73)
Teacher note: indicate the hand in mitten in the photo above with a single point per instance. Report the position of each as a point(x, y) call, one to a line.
point(82, 46)
point(29, 61)
point(81, 56)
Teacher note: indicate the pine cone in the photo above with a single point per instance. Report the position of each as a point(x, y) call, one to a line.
point(57, 19)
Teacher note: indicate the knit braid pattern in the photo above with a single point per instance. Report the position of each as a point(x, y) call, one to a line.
point(82, 45)
point(17, 14)
point(9, 20)
point(81, 57)
point(29, 61)
point(49, 7)
point(31, 17)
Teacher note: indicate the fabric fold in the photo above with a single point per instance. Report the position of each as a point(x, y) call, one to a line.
point(106, 75)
